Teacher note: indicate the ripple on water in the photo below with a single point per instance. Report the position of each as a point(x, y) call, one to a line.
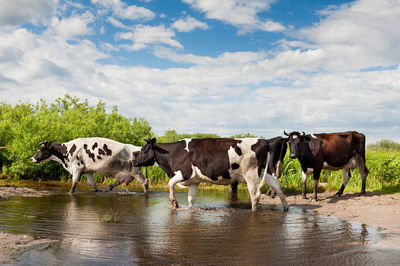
point(129, 228)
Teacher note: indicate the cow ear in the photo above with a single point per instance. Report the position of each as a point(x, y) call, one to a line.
point(153, 141)
point(302, 134)
point(43, 144)
point(284, 132)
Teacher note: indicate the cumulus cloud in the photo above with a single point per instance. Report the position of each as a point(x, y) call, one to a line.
point(17, 12)
point(358, 35)
point(188, 24)
point(239, 13)
point(72, 26)
point(144, 36)
point(124, 11)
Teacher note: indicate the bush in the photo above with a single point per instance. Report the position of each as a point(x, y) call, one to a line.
point(24, 126)
point(385, 145)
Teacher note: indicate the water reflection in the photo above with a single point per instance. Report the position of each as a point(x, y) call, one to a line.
point(145, 230)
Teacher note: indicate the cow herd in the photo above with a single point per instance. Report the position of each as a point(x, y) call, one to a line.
point(224, 161)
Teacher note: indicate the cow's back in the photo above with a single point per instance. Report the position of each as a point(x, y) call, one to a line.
point(339, 148)
point(102, 155)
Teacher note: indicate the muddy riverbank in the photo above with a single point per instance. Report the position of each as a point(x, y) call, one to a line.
point(373, 209)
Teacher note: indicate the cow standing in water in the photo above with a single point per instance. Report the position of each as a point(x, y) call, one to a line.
point(333, 151)
point(94, 155)
point(219, 161)
point(278, 147)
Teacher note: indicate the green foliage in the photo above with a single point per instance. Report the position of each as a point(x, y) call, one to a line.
point(245, 135)
point(24, 126)
point(172, 136)
point(385, 145)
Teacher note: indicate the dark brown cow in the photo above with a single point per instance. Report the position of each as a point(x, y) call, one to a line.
point(333, 151)
point(220, 161)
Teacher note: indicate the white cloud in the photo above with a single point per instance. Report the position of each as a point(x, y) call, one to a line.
point(72, 26)
point(188, 24)
point(358, 35)
point(144, 36)
point(116, 23)
point(17, 12)
point(124, 11)
point(239, 13)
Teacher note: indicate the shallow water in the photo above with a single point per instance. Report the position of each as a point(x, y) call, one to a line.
point(144, 230)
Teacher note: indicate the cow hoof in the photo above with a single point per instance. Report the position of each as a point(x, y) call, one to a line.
point(174, 204)
point(338, 194)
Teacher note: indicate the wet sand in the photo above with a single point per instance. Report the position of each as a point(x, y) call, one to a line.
point(373, 209)
point(12, 245)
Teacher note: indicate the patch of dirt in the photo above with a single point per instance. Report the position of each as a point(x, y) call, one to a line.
point(373, 209)
point(12, 246)
point(7, 191)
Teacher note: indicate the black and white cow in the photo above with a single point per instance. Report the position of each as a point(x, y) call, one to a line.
point(220, 161)
point(330, 151)
point(278, 147)
point(94, 155)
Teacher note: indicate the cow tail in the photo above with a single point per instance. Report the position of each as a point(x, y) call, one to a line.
point(266, 168)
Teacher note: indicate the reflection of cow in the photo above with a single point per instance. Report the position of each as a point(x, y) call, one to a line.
point(332, 151)
point(94, 155)
point(278, 147)
point(220, 161)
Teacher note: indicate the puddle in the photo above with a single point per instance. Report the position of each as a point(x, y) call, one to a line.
point(127, 228)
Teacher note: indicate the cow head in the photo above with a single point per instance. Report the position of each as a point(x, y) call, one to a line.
point(46, 150)
point(296, 140)
point(147, 155)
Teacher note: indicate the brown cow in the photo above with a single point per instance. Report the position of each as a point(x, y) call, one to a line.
point(333, 151)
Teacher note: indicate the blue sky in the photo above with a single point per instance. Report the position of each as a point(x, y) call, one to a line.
point(215, 66)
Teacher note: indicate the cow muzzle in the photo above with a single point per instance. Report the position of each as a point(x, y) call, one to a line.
point(292, 156)
point(33, 160)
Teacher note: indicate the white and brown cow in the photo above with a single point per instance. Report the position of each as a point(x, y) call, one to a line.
point(220, 161)
point(330, 151)
point(94, 155)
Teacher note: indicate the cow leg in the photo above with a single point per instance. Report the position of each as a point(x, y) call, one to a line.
point(91, 181)
point(315, 183)
point(137, 173)
point(346, 177)
point(254, 194)
point(112, 186)
point(304, 181)
point(192, 194)
point(233, 190)
point(363, 172)
point(171, 184)
point(274, 184)
point(271, 192)
point(76, 174)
